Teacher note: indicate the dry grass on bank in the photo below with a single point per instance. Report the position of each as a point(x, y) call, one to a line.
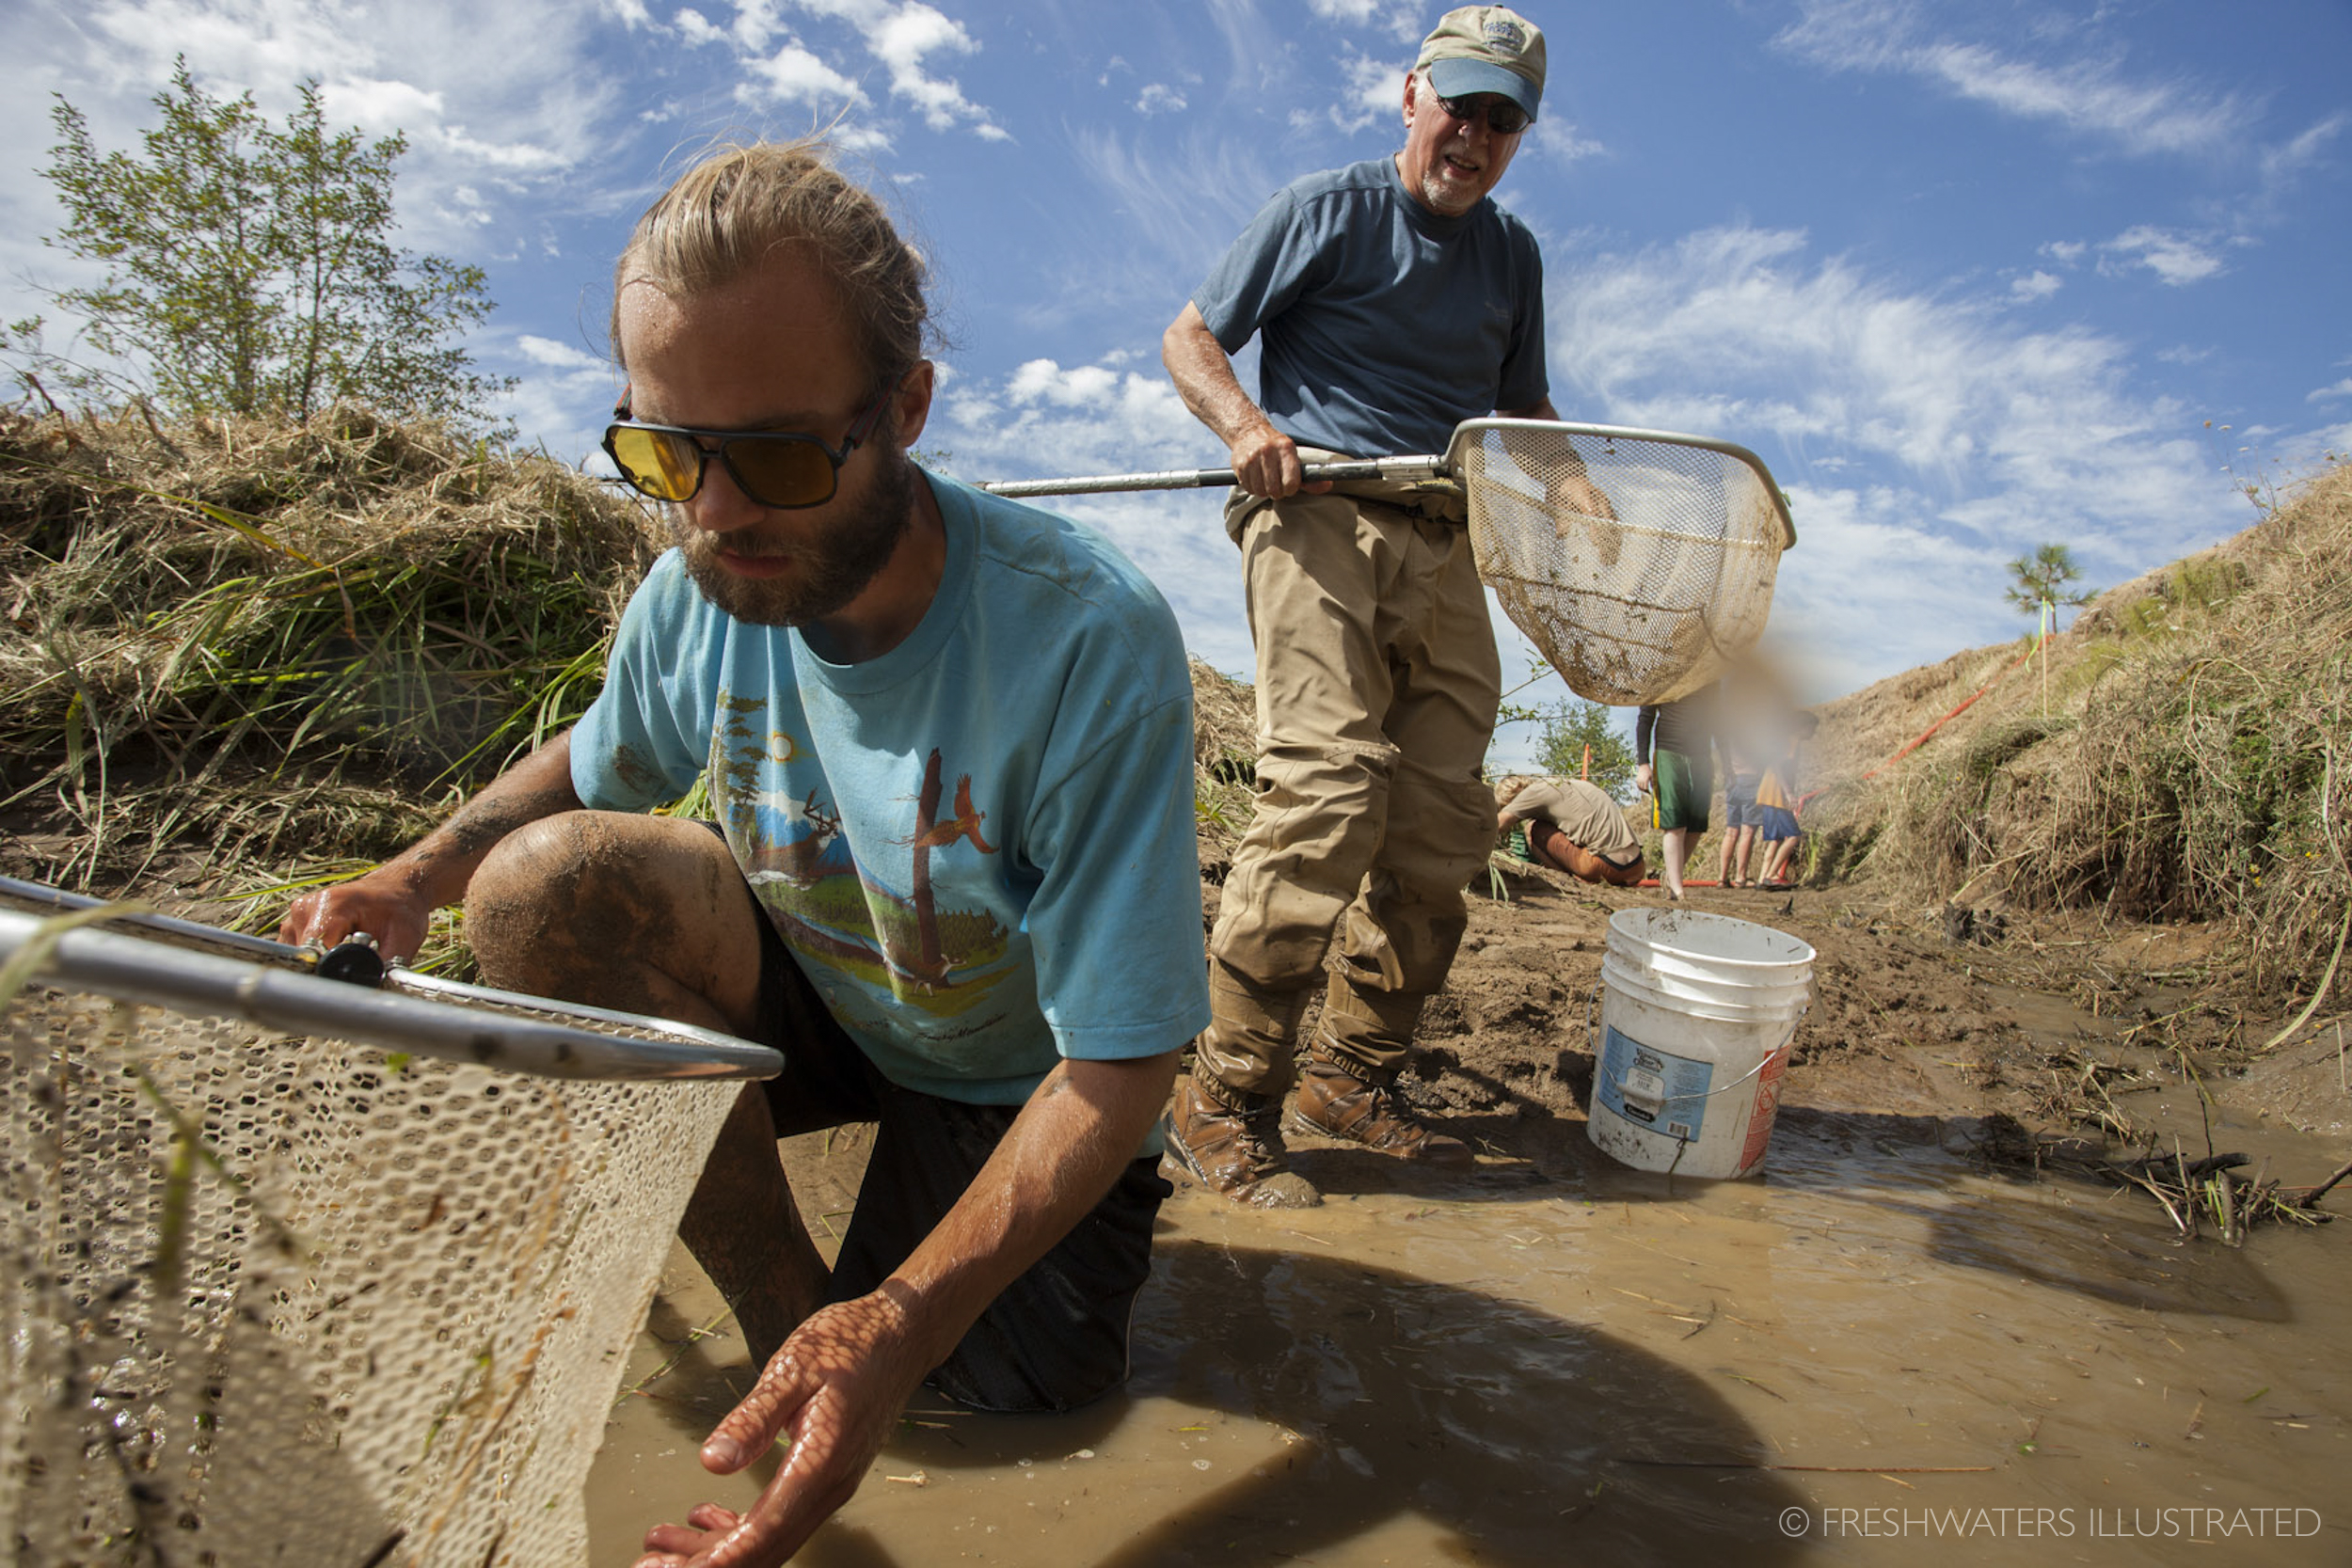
point(2194, 761)
point(248, 642)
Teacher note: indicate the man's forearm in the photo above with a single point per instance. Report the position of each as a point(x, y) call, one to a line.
point(1079, 1130)
point(1204, 378)
point(394, 902)
point(440, 864)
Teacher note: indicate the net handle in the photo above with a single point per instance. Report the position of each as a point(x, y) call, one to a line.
point(130, 968)
point(1397, 468)
point(1468, 433)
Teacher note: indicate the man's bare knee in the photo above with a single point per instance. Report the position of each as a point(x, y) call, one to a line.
point(642, 913)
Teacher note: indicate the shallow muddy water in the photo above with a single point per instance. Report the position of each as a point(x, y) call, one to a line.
point(1873, 1355)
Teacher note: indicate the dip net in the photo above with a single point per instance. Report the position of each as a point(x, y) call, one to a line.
point(269, 1297)
point(1655, 600)
point(1646, 606)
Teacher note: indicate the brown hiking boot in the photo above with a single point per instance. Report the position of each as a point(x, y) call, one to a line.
point(1336, 1103)
point(1236, 1154)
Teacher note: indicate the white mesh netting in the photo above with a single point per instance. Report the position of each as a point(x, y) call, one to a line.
point(266, 1299)
point(1642, 608)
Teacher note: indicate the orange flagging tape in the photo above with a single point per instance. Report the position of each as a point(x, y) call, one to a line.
point(1988, 685)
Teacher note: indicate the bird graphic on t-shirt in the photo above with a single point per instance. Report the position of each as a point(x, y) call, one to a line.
point(966, 823)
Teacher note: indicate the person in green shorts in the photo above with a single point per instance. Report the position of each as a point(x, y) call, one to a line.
point(1679, 776)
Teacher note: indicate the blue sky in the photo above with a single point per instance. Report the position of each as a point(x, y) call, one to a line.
point(1968, 277)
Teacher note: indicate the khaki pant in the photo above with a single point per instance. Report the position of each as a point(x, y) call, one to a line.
point(1377, 685)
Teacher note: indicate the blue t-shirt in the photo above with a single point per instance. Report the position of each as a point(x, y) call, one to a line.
point(980, 845)
point(1383, 326)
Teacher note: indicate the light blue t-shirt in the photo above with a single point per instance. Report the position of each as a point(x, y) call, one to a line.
point(980, 845)
point(1382, 326)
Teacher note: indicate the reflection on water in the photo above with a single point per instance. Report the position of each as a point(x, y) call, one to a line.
point(1603, 1366)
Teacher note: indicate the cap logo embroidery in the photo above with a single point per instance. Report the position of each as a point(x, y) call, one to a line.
point(1506, 37)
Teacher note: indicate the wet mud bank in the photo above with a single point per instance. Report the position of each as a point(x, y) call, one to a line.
point(1890, 1344)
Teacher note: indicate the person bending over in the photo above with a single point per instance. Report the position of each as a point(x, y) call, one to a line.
point(1572, 826)
point(949, 740)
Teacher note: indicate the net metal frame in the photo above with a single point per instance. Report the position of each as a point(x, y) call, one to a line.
point(278, 1296)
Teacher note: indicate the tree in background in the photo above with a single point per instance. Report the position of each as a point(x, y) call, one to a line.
point(251, 269)
point(2039, 586)
point(1568, 730)
point(2039, 582)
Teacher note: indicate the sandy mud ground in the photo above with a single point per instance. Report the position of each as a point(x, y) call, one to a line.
point(1889, 1348)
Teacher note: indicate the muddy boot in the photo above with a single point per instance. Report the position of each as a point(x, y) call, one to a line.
point(1336, 1103)
point(1237, 1154)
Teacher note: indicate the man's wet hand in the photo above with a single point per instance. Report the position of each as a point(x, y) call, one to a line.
point(1578, 494)
point(378, 903)
point(834, 1392)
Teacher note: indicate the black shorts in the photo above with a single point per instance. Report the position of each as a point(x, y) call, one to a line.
point(1058, 1336)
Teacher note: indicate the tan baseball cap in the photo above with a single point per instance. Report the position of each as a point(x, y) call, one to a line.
point(1480, 49)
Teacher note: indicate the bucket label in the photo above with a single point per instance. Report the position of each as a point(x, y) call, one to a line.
point(1653, 1088)
point(1767, 1107)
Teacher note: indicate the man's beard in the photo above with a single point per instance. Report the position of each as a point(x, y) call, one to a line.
point(830, 569)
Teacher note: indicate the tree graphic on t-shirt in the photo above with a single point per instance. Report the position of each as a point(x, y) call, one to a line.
point(932, 833)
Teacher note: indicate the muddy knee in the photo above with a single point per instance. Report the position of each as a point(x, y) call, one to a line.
point(613, 909)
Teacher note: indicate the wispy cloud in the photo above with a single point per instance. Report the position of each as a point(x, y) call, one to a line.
point(1399, 18)
point(903, 37)
point(2177, 259)
point(1159, 98)
point(2088, 94)
point(2035, 285)
point(2324, 394)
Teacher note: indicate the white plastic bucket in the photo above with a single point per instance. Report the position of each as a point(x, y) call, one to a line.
point(1697, 1011)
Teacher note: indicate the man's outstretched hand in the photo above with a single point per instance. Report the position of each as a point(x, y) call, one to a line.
point(834, 1392)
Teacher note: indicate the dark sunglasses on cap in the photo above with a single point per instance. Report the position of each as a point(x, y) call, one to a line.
point(1503, 117)
point(778, 469)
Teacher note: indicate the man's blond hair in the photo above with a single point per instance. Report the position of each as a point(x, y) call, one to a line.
point(725, 216)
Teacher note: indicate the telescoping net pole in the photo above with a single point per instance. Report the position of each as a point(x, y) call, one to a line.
point(274, 1297)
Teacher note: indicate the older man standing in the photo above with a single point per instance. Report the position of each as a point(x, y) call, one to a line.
point(949, 741)
point(1393, 299)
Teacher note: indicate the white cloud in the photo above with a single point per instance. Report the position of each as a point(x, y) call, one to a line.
point(1159, 98)
point(2034, 285)
point(695, 27)
point(2085, 94)
point(793, 75)
point(2173, 258)
point(904, 38)
point(1399, 18)
point(1556, 138)
point(380, 107)
point(2341, 389)
point(547, 354)
point(2007, 436)
point(1371, 90)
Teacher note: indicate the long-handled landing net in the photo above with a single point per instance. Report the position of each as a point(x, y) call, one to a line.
point(1642, 605)
point(271, 1296)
